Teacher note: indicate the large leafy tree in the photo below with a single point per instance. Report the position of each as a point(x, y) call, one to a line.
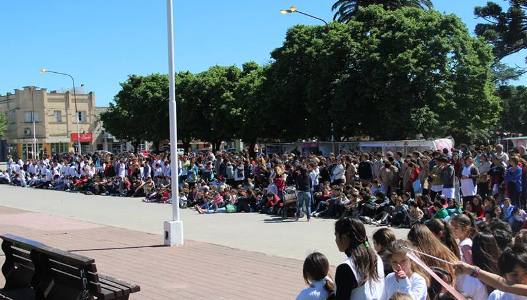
point(346, 9)
point(140, 109)
point(514, 115)
point(385, 74)
point(217, 111)
point(250, 97)
point(505, 29)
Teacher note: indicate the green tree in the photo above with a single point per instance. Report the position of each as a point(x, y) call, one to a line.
point(502, 74)
point(514, 115)
point(140, 110)
point(3, 124)
point(250, 98)
point(346, 9)
point(217, 110)
point(506, 30)
point(386, 74)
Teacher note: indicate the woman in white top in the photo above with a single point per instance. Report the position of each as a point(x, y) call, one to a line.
point(361, 275)
point(404, 279)
point(320, 285)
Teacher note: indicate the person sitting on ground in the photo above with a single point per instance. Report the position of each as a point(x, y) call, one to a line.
point(316, 276)
point(335, 206)
point(440, 211)
point(415, 214)
point(507, 208)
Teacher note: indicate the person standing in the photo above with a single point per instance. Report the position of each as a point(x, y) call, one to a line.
point(513, 181)
point(447, 178)
point(483, 179)
point(365, 169)
point(338, 173)
point(303, 192)
point(469, 177)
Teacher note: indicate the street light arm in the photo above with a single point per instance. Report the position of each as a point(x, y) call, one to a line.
point(75, 101)
point(72, 80)
point(306, 14)
point(60, 73)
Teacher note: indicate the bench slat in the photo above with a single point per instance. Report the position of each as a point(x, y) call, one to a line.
point(109, 284)
point(133, 287)
point(59, 272)
point(67, 257)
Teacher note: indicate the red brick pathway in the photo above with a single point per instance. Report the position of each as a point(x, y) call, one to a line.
point(195, 271)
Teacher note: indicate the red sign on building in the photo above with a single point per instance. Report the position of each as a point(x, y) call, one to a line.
point(84, 137)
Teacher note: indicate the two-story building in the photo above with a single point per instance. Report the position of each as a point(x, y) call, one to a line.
point(48, 121)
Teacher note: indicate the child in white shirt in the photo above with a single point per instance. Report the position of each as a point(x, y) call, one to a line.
point(404, 279)
point(316, 269)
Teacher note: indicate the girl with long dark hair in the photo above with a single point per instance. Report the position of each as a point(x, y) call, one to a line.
point(444, 232)
point(485, 253)
point(361, 275)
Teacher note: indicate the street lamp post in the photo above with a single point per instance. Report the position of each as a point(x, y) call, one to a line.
point(293, 9)
point(75, 100)
point(174, 228)
point(33, 120)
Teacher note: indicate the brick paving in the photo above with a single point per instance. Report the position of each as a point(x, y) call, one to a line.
point(195, 271)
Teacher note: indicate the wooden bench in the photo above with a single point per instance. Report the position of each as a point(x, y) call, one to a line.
point(33, 270)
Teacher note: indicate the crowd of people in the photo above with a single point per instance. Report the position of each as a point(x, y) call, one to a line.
point(438, 260)
point(379, 188)
point(464, 207)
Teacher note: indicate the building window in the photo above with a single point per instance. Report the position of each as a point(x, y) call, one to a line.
point(82, 116)
point(59, 148)
point(29, 115)
point(58, 116)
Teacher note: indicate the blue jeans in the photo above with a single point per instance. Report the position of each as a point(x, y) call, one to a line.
point(303, 198)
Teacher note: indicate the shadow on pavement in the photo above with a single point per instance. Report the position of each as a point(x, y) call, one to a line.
point(279, 220)
point(117, 248)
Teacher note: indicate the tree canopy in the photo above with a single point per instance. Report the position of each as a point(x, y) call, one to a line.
point(514, 115)
point(505, 29)
point(213, 105)
point(346, 9)
point(386, 74)
point(418, 71)
point(139, 111)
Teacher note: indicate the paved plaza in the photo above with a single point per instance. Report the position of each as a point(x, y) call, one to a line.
point(233, 256)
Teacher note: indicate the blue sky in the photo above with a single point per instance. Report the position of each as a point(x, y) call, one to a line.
point(101, 42)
